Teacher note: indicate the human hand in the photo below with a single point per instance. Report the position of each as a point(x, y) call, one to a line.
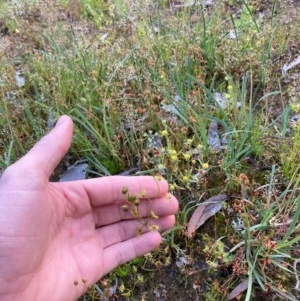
point(53, 234)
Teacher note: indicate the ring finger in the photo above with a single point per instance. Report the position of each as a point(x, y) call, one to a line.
point(124, 230)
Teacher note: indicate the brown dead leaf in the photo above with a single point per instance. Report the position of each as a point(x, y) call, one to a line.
point(204, 211)
point(238, 289)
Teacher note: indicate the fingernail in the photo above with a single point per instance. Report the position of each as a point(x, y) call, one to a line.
point(61, 120)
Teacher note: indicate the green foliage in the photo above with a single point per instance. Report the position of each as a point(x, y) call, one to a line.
point(8, 19)
point(126, 270)
point(95, 10)
point(152, 73)
point(290, 156)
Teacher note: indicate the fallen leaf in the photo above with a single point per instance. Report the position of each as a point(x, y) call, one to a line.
point(130, 171)
point(213, 136)
point(285, 68)
point(221, 99)
point(174, 107)
point(20, 80)
point(182, 261)
point(75, 172)
point(238, 290)
point(204, 211)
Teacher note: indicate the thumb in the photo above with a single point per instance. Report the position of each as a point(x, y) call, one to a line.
point(47, 153)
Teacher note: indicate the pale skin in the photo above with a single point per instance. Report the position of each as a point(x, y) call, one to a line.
point(54, 234)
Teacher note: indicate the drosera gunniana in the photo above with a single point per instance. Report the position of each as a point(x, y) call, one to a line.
point(133, 202)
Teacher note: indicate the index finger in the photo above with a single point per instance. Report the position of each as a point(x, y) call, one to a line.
point(46, 154)
point(111, 189)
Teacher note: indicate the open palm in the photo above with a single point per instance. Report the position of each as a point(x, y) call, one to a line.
point(53, 235)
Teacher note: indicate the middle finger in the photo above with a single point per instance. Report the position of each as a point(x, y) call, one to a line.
point(113, 213)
